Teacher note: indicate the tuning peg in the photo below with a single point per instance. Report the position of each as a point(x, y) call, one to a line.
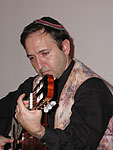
point(46, 109)
point(49, 106)
point(53, 103)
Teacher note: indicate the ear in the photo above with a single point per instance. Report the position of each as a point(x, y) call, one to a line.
point(66, 46)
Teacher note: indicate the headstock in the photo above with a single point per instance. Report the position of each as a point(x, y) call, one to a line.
point(41, 96)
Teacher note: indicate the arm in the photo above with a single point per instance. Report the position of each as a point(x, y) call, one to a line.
point(8, 105)
point(6, 113)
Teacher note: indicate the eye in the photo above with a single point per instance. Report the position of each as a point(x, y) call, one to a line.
point(31, 58)
point(45, 53)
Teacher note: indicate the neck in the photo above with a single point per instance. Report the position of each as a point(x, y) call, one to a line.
point(69, 59)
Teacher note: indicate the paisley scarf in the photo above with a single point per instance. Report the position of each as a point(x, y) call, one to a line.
point(79, 74)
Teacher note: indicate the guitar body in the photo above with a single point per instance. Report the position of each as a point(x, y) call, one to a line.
point(24, 142)
point(31, 143)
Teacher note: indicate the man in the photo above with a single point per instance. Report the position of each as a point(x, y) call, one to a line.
point(84, 101)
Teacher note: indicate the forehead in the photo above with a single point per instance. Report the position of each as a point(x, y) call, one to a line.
point(41, 34)
point(38, 39)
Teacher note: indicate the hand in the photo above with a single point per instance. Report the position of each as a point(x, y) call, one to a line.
point(3, 141)
point(30, 120)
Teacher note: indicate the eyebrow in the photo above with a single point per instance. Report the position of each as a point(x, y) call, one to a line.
point(28, 55)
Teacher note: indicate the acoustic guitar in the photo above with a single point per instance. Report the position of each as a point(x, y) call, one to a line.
point(40, 98)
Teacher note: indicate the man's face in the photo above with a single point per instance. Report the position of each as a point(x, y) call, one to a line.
point(45, 56)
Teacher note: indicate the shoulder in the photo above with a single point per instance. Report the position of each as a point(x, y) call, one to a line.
point(94, 86)
point(28, 80)
point(25, 87)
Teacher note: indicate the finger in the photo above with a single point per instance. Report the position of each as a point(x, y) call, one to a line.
point(21, 105)
point(26, 103)
point(17, 109)
point(2, 147)
point(4, 140)
point(9, 140)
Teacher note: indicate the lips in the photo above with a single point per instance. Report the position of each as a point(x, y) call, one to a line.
point(45, 72)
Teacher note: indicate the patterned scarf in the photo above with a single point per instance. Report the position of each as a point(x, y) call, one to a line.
point(79, 74)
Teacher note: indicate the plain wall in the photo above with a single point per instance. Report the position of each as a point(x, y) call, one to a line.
point(89, 22)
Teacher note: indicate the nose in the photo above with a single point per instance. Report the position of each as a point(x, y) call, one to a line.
point(39, 63)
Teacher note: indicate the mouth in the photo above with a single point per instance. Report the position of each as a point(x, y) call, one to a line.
point(45, 72)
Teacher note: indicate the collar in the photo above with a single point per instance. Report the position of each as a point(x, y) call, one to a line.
point(62, 80)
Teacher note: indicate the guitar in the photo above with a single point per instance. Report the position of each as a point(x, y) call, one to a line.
point(40, 98)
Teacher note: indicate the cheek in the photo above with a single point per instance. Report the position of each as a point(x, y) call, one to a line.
point(54, 63)
point(34, 66)
point(59, 64)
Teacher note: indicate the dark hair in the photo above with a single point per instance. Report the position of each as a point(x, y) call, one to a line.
point(58, 35)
